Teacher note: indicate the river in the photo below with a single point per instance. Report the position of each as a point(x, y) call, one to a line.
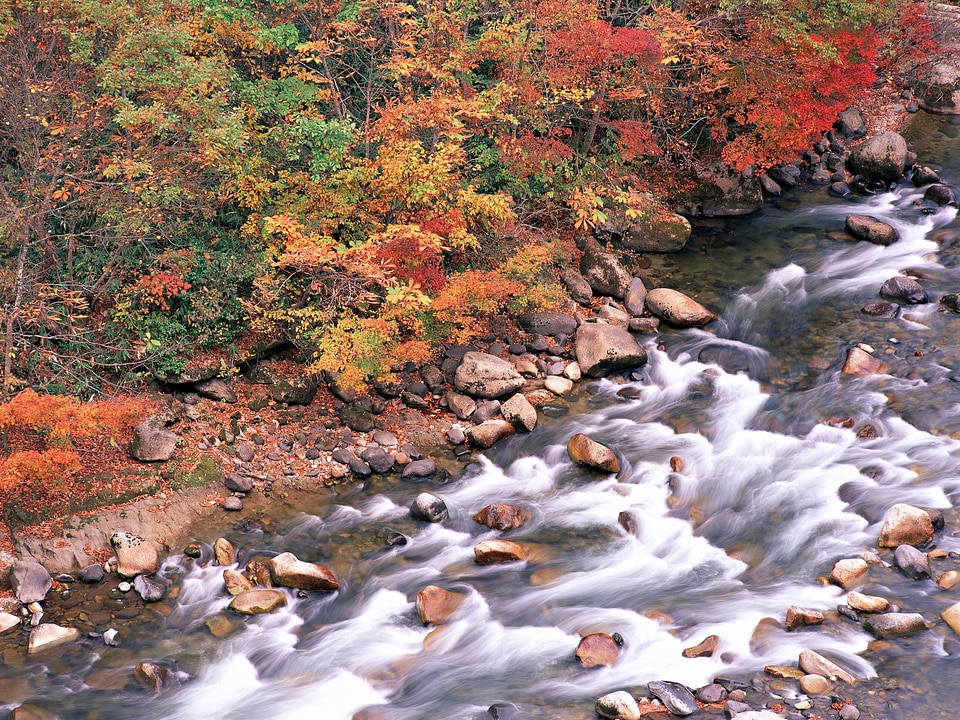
point(787, 466)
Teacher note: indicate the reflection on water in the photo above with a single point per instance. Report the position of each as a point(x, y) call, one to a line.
point(784, 467)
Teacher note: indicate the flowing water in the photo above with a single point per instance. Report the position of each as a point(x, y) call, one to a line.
point(787, 466)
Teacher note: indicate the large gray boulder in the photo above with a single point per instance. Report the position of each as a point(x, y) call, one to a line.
point(723, 192)
point(882, 157)
point(216, 389)
point(659, 231)
point(604, 272)
point(30, 581)
point(486, 376)
point(865, 227)
point(906, 289)
point(152, 442)
point(674, 307)
point(548, 323)
point(602, 349)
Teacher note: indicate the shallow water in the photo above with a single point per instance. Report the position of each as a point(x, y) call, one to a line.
point(770, 495)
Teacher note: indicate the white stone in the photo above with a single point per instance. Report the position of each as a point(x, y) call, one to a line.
point(49, 635)
point(8, 621)
point(558, 385)
point(619, 705)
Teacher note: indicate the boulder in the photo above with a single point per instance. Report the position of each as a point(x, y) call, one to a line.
point(29, 581)
point(675, 697)
point(679, 310)
point(597, 650)
point(429, 508)
point(577, 286)
point(602, 349)
point(905, 525)
point(619, 705)
point(435, 605)
point(489, 432)
point(848, 573)
point(585, 451)
point(798, 617)
point(215, 389)
point(813, 663)
point(815, 685)
point(882, 157)
point(502, 516)
point(904, 288)
point(850, 124)
point(152, 677)
point(635, 298)
point(419, 469)
point(941, 195)
point(723, 192)
point(224, 553)
point(887, 625)
point(937, 88)
point(860, 362)
point(518, 411)
point(8, 621)
point(460, 405)
point(867, 603)
point(49, 635)
point(705, 648)
point(379, 460)
point(289, 571)
point(558, 385)
point(257, 602)
point(603, 272)
point(548, 323)
point(235, 482)
point(872, 230)
point(490, 552)
point(149, 589)
point(235, 582)
point(152, 442)
point(914, 563)
point(656, 231)
point(951, 616)
point(614, 315)
point(296, 390)
point(487, 376)
point(135, 555)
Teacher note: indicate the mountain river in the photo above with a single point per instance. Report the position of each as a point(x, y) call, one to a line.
point(788, 466)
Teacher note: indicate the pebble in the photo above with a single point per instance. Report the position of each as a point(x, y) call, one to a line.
point(124, 587)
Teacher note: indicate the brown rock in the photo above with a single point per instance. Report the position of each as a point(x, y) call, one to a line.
point(518, 411)
point(288, 571)
point(848, 573)
point(257, 602)
point(489, 432)
point(583, 450)
point(224, 552)
point(948, 580)
point(258, 571)
point(151, 676)
point(490, 552)
point(798, 617)
point(597, 649)
point(814, 685)
point(435, 605)
point(135, 555)
point(677, 309)
point(951, 616)
point(221, 626)
point(905, 525)
point(705, 648)
point(502, 516)
point(860, 362)
point(867, 603)
point(816, 664)
point(784, 671)
point(236, 582)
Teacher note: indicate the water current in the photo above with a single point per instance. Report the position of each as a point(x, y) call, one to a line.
point(787, 466)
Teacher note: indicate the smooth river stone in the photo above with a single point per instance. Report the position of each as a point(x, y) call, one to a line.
point(619, 705)
point(674, 696)
point(813, 663)
point(48, 635)
point(257, 602)
point(705, 648)
point(895, 624)
point(814, 684)
point(799, 617)
point(597, 649)
point(502, 516)
point(586, 451)
point(491, 552)
point(224, 552)
point(913, 562)
point(435, 604)
point(905, 525)
point(849, 572)
point(951, 616)
point(867, 603)
point(289, 571)
point(8, 621)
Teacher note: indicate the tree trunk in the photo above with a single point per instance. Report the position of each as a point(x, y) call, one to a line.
point(18, 290)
